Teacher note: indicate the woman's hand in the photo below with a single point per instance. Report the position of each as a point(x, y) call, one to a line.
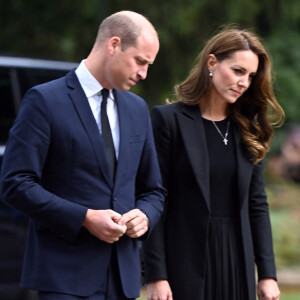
point(267, 289)
point(159, 290)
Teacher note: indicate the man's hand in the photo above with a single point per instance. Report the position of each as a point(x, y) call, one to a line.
point(136, 222)
point(103, 224)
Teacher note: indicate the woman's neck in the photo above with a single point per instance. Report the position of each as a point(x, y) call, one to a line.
point(213, 111)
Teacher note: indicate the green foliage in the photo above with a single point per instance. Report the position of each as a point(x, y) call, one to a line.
point(286, 238)
point(57, 29)
point(66, 30)
point(285, 45)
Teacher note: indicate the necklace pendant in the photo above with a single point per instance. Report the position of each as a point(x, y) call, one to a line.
point(225, 141)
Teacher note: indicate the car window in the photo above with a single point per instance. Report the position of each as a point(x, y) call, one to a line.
point(17, 76)
point(7, 109)
point(16, 80)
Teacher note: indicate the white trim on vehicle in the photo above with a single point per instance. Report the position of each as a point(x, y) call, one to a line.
point(2, 149)
point(22, 62)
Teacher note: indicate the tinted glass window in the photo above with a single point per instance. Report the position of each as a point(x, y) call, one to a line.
point(7, 109)
point(31, 77)
point(14, 83)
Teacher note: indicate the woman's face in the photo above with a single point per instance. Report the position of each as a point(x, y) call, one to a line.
point(232, 76)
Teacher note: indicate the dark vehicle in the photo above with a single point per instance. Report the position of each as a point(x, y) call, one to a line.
point(17, 75)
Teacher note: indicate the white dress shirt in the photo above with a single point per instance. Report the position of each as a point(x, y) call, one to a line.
point(92, 89)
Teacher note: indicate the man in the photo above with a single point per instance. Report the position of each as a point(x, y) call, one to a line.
point(89, 193)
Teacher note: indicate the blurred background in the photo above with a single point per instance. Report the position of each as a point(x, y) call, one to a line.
point(66, 30)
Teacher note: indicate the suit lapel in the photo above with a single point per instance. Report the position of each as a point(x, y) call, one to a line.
point(193, 135)
point(124, 120)
point(85, 114)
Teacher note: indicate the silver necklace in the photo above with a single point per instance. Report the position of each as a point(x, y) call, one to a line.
point(225, 140)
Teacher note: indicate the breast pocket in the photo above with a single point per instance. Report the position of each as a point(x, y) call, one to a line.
point(138, 138)
point(136, 145)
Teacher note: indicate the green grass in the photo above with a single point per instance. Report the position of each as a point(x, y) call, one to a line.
point(290, 297)
point(284, 200)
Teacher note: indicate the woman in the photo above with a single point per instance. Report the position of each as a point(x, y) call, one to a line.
point(210, 146)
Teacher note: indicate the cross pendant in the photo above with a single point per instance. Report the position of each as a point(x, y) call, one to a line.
point(225, 141)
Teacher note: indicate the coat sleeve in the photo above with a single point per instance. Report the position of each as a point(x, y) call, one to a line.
point(22, 171)
point(154, 245)
point(261, 225)
point(150, 194)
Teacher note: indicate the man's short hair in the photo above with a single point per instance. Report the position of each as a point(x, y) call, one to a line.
point(119, 25)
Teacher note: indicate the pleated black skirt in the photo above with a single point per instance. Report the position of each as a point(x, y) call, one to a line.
point(225, 277)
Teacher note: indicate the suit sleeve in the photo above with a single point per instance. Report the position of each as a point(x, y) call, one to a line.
point(261, 225)
point(154, 245)
point(150, 194)
point(22, 171)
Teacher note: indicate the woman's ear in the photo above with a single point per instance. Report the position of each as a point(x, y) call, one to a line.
point(211, 62)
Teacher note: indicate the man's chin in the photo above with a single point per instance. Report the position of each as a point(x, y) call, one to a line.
point(126, 87)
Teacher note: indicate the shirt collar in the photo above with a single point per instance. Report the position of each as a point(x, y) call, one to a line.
point(88, 82)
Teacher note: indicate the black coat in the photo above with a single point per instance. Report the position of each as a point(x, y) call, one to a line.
point(176, 250)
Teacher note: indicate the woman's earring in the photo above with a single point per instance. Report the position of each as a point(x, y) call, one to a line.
point(210, 74)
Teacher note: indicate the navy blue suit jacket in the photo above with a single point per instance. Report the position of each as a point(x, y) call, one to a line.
point(54, 168)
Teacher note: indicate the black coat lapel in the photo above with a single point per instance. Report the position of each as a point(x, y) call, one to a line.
point(193, 135)
point(85, 114)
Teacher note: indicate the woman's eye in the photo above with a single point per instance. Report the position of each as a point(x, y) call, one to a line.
point(237, 71)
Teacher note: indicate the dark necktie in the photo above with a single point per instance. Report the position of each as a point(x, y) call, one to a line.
point(107, 136)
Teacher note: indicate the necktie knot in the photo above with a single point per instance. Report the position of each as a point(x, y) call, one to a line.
point(104, 93)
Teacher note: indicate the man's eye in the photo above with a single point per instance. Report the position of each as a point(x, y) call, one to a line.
point(140, 62)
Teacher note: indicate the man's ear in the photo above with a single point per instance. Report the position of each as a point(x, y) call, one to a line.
point(114, 44)
point(212, 62)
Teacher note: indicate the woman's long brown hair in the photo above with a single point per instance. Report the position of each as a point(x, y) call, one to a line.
point(257, 110)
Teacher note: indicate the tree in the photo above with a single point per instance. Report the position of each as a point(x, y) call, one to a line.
point(66, 30)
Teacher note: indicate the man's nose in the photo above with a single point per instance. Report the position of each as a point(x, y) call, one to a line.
point(142, 72)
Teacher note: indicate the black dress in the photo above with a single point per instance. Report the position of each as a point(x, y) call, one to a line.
point(224, 275)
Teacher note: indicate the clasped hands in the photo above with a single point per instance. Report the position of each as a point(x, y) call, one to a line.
point(109, 226)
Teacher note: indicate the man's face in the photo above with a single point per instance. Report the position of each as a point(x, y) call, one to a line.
point(127, 67)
